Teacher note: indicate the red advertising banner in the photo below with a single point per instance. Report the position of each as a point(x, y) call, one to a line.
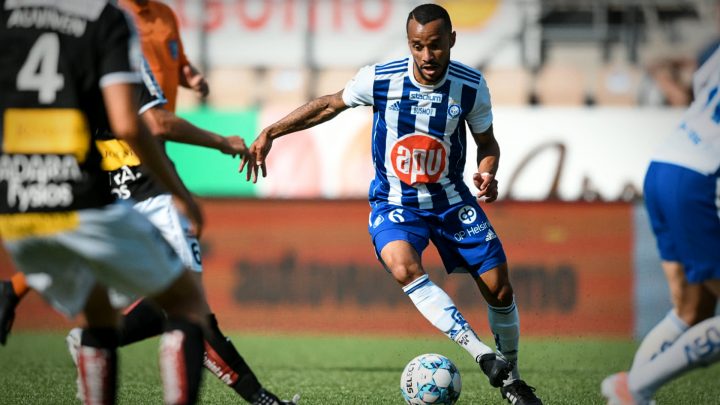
point(309, 266)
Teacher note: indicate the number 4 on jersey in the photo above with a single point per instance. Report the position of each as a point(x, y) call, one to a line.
point(40, 70)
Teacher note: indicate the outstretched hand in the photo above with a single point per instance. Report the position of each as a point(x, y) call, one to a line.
point(487, 186)
point(234, 145)
point(255, 159)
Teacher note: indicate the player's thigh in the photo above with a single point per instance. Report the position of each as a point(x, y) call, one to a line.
point(467, 241)
point(175, 228)
point(399, 236)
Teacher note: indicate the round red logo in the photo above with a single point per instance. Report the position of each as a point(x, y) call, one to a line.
point(418, 159)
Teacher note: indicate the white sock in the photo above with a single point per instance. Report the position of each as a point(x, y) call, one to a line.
point(698, 346)
point(505, 326)
point(438, 308)
point(662, 336)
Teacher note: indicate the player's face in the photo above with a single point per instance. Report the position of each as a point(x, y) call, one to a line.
point(430, 47)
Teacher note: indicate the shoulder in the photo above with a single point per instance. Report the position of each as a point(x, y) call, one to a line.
point(465, 73)
point(391, 67)
point(162, 10)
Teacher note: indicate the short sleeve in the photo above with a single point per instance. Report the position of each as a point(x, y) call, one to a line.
point(359, 90)
point(182, 58)
point(480, 117)
point(151, 95)
point(118, 48)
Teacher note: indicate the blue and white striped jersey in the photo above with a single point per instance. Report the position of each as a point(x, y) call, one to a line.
point(695, 144)
point(419, 138)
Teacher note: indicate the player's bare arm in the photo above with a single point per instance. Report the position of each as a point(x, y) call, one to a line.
point(122, 114)
point(170, 127)
point(192, 79)
point(314, 112)
point(488, 159)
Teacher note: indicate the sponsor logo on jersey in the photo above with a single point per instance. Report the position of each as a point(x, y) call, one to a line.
point(418, 159)
point(467, 215)
point(471, 231)
point(39, 181)
point(116, 154)
point(490, 235)
point(454, 110)
point(431, 97)
point(429, 111)
point(18, 226)
point(55, 131)
point(394, 106)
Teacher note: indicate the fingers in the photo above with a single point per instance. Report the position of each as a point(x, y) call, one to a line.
point(487, 187)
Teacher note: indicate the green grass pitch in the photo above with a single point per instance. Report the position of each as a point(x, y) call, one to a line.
point(36, 369)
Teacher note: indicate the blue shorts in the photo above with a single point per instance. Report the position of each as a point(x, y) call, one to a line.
point(684, 213)
point(462, 234)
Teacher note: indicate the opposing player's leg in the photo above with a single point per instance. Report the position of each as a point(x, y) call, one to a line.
point(143, 319)
point(181, 344)
point(97, 350)
point(11, 292)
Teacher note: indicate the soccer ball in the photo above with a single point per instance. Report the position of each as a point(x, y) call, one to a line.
point(430, 379)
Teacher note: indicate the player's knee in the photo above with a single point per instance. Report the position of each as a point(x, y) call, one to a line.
point(500, 296)
point(405, 273)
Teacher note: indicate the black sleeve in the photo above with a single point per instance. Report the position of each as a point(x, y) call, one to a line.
point(118, 48)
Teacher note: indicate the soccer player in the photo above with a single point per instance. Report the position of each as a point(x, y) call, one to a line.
point(130, 181)
point(682, 197)
point(421, 105)
point(163, 49)
point(68, 70)
point(164, 52)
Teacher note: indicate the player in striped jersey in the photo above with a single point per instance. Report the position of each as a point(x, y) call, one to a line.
point(682, 197)
point(421, 105)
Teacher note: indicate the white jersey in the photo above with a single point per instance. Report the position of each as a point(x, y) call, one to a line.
point(695, 144)
point(419, 138)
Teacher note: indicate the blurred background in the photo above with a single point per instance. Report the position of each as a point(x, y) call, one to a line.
point(582, 91)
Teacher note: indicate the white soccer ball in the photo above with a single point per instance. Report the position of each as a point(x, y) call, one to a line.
point(430, 379)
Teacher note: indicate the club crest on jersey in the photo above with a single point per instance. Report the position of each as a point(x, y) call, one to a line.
point(420, 96)
point(174, 48)
point(454, 110)
point(418, 159)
